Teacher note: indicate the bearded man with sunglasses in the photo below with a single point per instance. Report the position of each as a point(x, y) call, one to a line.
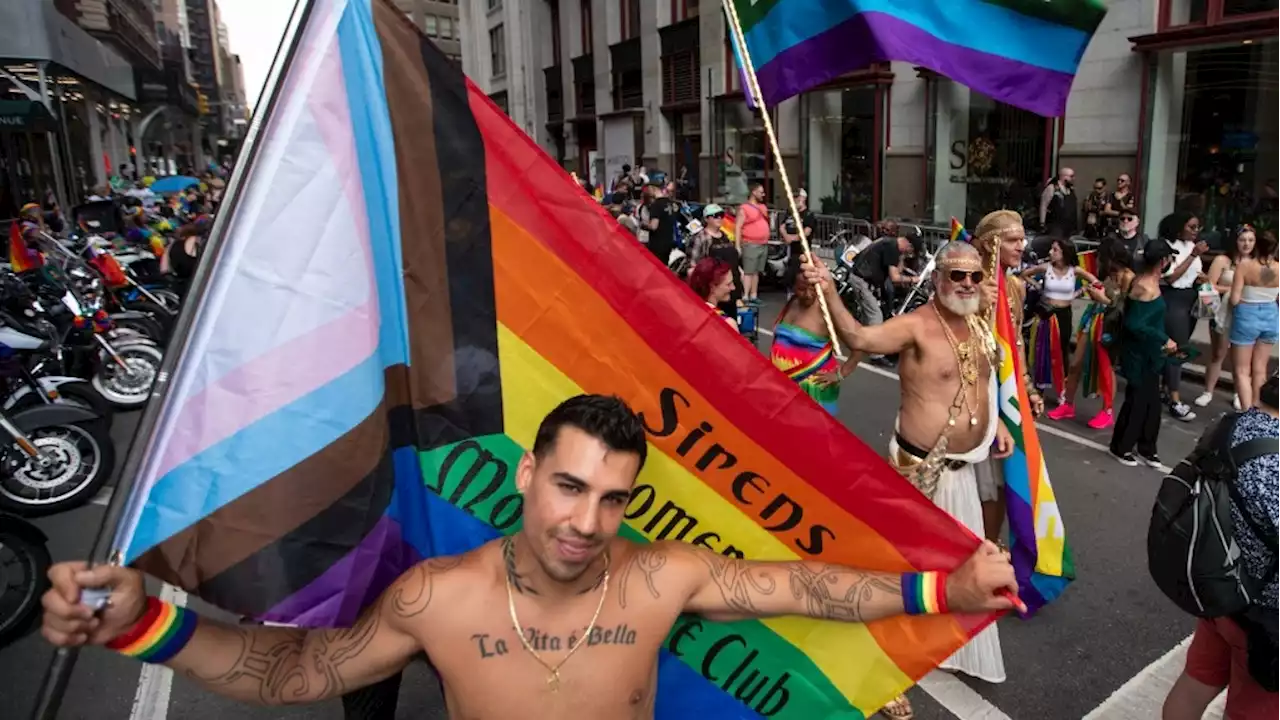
point(947, 421)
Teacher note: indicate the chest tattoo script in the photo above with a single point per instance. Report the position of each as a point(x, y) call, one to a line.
point(490, 645)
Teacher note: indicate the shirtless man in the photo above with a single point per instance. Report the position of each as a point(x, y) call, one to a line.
point(563, 576)
point(947, 421)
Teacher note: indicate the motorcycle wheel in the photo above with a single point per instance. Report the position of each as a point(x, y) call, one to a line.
point(171, 300)
point(149, 327)
point(128, 388)
point(24, 568)
point(82, 458)
point(75, 393)
point(163, 317)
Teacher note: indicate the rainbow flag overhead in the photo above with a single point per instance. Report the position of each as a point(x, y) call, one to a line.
point(1023, 52)
point(1042, 558)
point(310, 452)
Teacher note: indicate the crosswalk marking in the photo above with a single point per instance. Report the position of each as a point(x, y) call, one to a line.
point(1142, 697)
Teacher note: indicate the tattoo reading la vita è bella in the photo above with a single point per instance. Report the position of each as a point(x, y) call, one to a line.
point(491, 645)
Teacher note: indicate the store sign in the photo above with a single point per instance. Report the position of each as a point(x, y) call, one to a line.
point(25, 116)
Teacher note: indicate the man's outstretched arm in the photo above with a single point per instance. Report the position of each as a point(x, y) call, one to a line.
point(729, 588)
point(267, 665)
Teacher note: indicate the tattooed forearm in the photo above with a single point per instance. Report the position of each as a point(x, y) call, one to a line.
point(412, 593)
point(278, 666)
point(741, 588)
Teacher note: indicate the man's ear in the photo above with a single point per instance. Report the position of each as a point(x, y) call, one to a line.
point(524, 472)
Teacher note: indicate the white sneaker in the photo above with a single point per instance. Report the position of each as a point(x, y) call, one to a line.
point(1182, 412)
point(1204, 399)
point(1235, 402)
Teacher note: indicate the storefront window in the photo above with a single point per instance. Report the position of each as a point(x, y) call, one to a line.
point(987, 155)
point(838, 143)
point(1214, 130)
point(1247, 7)
point(741, 149)
point(1184, 12)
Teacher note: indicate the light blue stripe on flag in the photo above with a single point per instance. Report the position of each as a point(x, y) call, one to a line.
point(742, 67)
point(254, 455)
point(375, 147)
point(974, 24)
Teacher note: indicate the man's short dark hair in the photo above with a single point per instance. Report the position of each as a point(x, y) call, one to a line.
point(1100, 180)
point(604, 417)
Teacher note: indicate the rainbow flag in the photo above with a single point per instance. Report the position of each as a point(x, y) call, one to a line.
point(958, 233)
point(310, 452)
point(1088, 261)
point(1022, 52)
point(21, 256)
point(1042, 556)
point(729, 226)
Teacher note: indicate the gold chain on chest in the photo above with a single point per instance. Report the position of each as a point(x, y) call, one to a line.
point(553, 678)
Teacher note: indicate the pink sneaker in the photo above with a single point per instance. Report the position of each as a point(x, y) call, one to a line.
point(1102, 420)
point(1065, 411)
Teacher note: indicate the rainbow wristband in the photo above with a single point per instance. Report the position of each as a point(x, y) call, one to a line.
point(924, 593)
point(162, 631)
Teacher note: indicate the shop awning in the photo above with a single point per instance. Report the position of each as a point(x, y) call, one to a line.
point(25, 116)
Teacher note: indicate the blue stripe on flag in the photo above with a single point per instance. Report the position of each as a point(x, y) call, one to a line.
point(974, 24)
point(434, 527)
point(257, 453)
point(375, 148)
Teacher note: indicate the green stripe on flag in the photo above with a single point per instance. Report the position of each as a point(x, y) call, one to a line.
point(743, 658)
point(751, 12)
point(1079, 14)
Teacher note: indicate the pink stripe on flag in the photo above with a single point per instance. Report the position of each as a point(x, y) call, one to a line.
point(299, 366)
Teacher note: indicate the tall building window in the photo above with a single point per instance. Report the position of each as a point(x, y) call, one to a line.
point(446, 28)
point(430, 27)
point(630, 19)
point(498, 50)
point(495, 4)
point(584, 7)
point(555, 31)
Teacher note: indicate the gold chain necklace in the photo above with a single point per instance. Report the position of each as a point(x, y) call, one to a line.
point(553, 679)
point(966, 361)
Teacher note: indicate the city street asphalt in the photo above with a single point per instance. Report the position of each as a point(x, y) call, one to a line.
point(1112, 633)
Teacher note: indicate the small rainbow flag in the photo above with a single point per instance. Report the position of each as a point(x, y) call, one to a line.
point(729, 226)
point(1088, 261)
point(294, 476)
point(958, 233)
point(21, 256)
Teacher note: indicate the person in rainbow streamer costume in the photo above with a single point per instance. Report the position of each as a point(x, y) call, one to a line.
point(803, 351)
point(1090, 364)
point(1062, 282)
point(24, 236)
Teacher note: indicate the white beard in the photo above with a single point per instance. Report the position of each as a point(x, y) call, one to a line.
point(960, 306)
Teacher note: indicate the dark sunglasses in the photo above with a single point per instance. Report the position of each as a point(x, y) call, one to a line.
point(1127, 218)
point(716, 215)
point(959, 276)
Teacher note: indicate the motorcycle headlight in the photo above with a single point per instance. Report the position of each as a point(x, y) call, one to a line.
point(840, 275)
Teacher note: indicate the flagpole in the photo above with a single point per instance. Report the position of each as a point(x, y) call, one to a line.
point(57, 676)
point(753, 90)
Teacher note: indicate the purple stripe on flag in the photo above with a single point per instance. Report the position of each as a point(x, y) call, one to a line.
point(871, 37)
point(1022, 531)
point(328, 601)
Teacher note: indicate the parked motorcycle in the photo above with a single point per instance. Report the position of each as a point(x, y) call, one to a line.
point(53, 458)
point(24, 568)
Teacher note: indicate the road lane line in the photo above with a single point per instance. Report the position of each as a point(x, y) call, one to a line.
point(103, 498)
point(1142, 697)
point(1040, 427)
point(155, 683)
point(959, 699)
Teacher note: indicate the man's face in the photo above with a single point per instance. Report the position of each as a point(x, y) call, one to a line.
point(1129, 223)
point(905, 248)
point(958, 284)
point(802, 202)
point(1099, 187)
point(574, 498)
point(757, 193)
point(1012, 240)
point(1122, 182)
point(1069, 177)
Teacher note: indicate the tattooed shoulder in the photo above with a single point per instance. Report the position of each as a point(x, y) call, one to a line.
point(412, 593)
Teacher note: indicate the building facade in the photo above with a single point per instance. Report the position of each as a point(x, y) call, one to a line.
point(439, 20)
point(602, 83)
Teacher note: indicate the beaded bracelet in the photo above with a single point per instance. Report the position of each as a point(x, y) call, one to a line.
point(162, 631)
point(924, 593)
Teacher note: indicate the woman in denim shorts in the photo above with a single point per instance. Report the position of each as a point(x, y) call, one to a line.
point(1255, 323)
